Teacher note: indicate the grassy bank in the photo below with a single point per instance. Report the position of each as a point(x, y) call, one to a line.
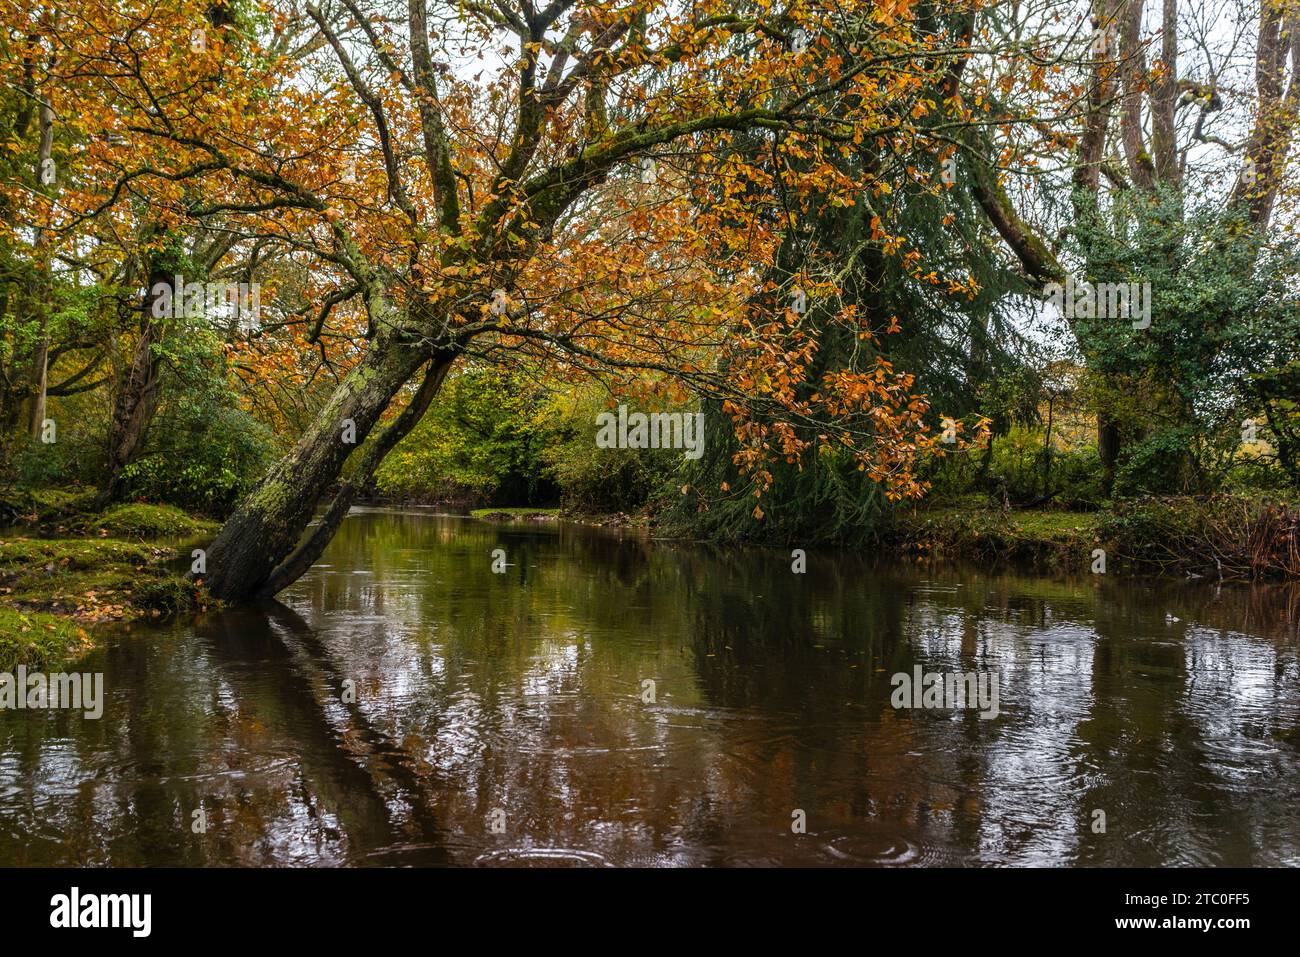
point(64, 569)
point(1056, 539)
point(39, 640)
point(1228, 537)
point(1222, 537)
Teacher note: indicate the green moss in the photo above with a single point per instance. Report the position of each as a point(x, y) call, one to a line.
point(78, 554)
point(140, 521)
point(45, 506)
point(53, 588)
point(271, 497)
point(56, 503)
point(38, 640)
point(93, 579)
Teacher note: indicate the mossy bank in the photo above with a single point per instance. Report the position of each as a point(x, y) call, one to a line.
point(65, 568)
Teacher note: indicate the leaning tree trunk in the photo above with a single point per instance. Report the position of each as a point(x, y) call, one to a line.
point(305, 555)
point(268, 524)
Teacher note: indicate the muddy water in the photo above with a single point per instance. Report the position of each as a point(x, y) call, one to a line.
point(405, 705)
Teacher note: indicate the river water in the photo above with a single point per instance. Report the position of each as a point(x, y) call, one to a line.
point(609, 699)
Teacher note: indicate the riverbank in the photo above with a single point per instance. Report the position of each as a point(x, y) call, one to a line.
point(594, 519)
point(1059, 540)
point(1222, 537)
point(64, 569)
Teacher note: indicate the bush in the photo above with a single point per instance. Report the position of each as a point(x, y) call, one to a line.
point(1016, 469)
point(76, 455)
point(480, 441)
point(201, 459)
point(493, 439)
point(1221, 536)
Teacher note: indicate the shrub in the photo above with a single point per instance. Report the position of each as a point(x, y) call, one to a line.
point(200, 458)
point(599, 480)
point(1223, 536)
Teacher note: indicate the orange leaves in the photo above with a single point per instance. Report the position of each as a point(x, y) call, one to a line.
point(871, 415)
point(891, 11)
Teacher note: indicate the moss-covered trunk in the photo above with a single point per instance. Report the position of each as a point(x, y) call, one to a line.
point(267, 526)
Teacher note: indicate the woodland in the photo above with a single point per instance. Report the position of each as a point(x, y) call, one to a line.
point(264, 260)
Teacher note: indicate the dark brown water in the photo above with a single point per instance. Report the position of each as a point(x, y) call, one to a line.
point(499, 718)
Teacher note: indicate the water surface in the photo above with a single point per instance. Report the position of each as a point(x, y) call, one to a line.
point(500, 719)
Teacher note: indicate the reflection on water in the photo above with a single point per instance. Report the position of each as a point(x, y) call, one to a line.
point(485, 698)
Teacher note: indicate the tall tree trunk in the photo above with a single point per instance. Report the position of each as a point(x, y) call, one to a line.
point(1108, 447)
point(267, 526)
point(137, 393)
point(41, 280)
point(40, 379)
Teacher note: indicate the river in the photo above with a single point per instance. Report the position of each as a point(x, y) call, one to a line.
point(611, 699)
